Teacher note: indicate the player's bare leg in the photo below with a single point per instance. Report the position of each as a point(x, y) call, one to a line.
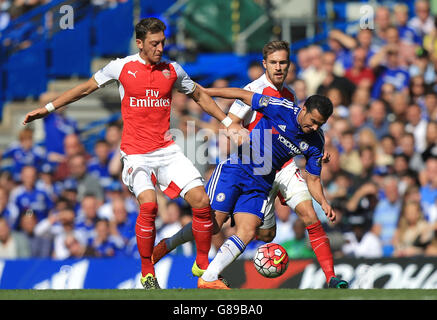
point(202, 224)
point(319, 242)
point(232, 248)
point(145, 233)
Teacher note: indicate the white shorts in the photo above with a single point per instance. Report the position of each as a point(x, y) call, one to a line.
point(292, 188)
point(168, 167)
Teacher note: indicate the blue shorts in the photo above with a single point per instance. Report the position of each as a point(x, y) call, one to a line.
point(231, 189)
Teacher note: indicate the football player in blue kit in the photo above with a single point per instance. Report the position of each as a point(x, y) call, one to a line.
point(241, 184)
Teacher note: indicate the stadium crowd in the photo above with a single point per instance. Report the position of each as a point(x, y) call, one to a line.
point(58, 200)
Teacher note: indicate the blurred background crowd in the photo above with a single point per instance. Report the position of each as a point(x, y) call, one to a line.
point(59, 200)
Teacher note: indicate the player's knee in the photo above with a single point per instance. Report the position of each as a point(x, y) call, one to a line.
point(197, 198)
point(306, 212)
point(266, 235)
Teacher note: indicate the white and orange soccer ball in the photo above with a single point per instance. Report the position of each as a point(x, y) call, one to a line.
point(271, 260)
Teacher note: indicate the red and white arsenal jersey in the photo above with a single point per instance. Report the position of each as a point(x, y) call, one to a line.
point(263, 86)
point(145, 93)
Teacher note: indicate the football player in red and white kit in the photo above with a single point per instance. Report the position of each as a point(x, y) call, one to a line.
point(289, 184)
point(149, 156)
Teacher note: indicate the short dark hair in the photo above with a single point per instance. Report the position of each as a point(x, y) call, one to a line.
point(152, 25)
point(274, 46)
point(321, 103)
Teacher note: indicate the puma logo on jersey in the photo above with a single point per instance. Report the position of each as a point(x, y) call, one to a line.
point(133, 73)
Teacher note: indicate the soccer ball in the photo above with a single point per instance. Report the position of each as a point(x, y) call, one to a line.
point(271, 260)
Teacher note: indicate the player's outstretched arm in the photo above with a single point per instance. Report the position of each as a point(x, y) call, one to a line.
point(231, 93)
point(65, 98)
point(316, 189)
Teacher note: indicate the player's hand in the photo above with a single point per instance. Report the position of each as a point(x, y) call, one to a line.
point(330, 213)
point(35, 114)
point(237, 134)
point(326, 157)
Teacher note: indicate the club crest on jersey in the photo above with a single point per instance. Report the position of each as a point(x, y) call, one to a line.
point(166, 73)
point(303, 145)
point(264, 101)
point(129, 171)
point(220, 197)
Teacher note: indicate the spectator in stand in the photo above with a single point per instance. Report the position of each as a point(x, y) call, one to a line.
point(298, 247)
point(254, 71)
point(104, 243)
point(57, 126)
point(26, 196)
point(387, 93)
point(122, 223)
point(24, 153)
point(40, 246)
point(300, 89)
point(13, 244)
point(417, 90)
point(423, 66)
point(406, 33)
point(87, 217)
point(407, 146)
point(76, 249)
point(397, 130)
point(357, 117)
point(430, 102)
point(58, 225)
point(367, 158)
point(428, 185)
point(391, 70)
point(86, 183)
point(430, 43)
point(303, 61)
point(98, 166)
point(359, 73)
point(361, 96)
point(413, 232)
point(423, 21)
point(398, 107)
point(8, 210)
point(72, 146)
point(382, 23)
point(431, 141)
point(331, 79)
point(386, 151)
point(416, 125)
point(349, 157)
point(377, 119)
point(361, 242)
point(387, 214)
point(337, 98)
point(314, 74)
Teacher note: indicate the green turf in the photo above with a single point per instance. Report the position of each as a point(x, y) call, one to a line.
point(234, 294)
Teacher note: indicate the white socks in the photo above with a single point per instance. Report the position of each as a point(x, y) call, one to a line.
point(228, 252)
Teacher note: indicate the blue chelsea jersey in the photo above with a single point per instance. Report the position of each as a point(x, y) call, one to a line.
point(276, 138)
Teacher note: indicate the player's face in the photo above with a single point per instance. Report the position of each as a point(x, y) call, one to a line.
point(276, 66)
point(152, 47)
point(310, 121)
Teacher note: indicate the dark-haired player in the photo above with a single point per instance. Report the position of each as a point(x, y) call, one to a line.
point(145, 83)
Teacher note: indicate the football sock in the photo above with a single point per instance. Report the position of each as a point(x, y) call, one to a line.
point(228, 252)
point(202, 232)
point(145, 233)
point(183, 235)
point(321, 247)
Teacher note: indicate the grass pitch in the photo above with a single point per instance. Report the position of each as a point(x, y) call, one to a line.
point(234, 294)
